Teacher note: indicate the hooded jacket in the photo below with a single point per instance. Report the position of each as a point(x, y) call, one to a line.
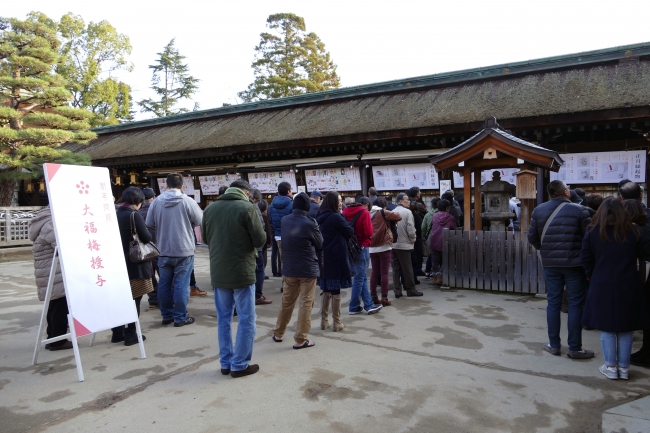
point(171, 219)
point(406, 234)
point(41, 232)
point(381, 232)
point(363, 226)
point(281, 206)
point(439, 222)
point(232, 230)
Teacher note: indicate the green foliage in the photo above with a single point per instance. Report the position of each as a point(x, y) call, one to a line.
point(34, 120)
point(88, 54)
point(171, 82)
point(288, 61)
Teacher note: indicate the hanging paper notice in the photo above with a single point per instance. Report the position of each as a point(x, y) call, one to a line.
point(268, 182)
point(188, 185)
point(210, 184)
point(403, 177)
point(602, 167)
point(333, 179)
point(90, 247)
point(162, 184)
point(445, 185)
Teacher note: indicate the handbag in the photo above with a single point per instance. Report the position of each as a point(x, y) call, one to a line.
point(140, 252)
point(392, 226)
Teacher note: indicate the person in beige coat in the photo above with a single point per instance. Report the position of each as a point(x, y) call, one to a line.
point(41, 232)
point(402, 248)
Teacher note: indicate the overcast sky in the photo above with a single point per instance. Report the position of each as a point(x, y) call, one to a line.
point(369, 40)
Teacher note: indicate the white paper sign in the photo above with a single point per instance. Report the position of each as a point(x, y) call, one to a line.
point(445, 185)
point(333, 179)
point(268, 182)
point(210, 184)
point(188, 185)
point(403, 177)
point(602, 167)
point(90, 247)
point(162, 184)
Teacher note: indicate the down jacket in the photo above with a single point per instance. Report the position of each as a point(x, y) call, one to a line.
point(41, 232)
point(301, 246)
point(563, 238)
point(281, 206)
point(406, 234)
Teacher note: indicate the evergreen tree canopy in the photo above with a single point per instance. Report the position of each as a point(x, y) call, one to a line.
point(89, 54)
point(171, 81)
point(34, 116)
point(288, 61)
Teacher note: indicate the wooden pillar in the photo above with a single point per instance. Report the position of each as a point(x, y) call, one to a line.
point(467, 199)
point(478, 221)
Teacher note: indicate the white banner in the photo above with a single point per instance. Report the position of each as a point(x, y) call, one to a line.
point(90, 247)
point(602, 167)
point(210, 184)
point(333, 179)
point(268, 182)
point(403, 177)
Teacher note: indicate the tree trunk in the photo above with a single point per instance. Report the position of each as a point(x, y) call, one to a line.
point(6, 191)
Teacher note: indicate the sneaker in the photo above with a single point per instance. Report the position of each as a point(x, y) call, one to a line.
point(167, 321)
point(609, 372)
point(251, 369)
point(187, 321)
point(580, 354)
point(427, 275)
point(375, 309)
point(623, 373)
point(552, 350)
point(358, 310)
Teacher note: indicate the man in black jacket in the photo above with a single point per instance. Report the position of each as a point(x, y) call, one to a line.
point(556, 231)
point(301, 246)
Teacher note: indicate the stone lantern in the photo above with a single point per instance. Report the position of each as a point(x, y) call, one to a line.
point(497, 202)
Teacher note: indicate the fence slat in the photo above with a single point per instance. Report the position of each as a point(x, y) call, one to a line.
point(501, 250)
point(466, 260)
point(472, 259)
point(480, 253)
point(452, 258)
point(509, 264)
point(517, 262)
point(445, 257)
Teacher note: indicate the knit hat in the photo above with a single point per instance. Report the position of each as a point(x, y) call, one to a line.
point(301, 202)
point(148, 193)
point(316, 193)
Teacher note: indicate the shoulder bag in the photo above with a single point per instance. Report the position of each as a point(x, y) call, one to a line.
point(140, 252)
point(353, 245)
point(392, 226)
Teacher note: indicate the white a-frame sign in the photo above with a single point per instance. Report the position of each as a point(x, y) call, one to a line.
point(89, 251)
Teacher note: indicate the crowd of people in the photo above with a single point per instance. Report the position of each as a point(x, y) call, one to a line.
point(591, 252)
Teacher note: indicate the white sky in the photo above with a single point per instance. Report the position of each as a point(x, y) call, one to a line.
point(370, 40)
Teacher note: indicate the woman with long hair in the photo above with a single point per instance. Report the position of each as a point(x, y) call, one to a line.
point(338, 268)
point(610, 251)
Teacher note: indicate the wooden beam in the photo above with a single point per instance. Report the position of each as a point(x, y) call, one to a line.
point(467, 199)
point(478, 221)
point(486, 164)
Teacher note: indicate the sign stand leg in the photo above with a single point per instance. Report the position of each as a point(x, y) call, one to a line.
point(140, 343)
point(75, 348)
point(46, 303)
point(92, 340)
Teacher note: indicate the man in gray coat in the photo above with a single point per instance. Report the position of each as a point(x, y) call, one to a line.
point(171, 219)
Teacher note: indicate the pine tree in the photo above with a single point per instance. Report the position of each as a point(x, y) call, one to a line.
point(289, 62)
point(34, 116)
point(171, 81)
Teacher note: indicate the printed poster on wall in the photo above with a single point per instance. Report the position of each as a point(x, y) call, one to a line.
point(268, 182)
point(188, 185)
point(403, 177)
point(210, 184)
point(507, 174)
point(445, 185)
point(602, 167)
point(333, 179)
point(90, 247)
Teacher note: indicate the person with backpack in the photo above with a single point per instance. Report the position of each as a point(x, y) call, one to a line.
point(338, 267)
point(440, 221)
point(557, 228)
point(380, 249)
point(358, 216)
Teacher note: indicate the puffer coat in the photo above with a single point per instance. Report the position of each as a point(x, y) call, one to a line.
point(41, 232)
point(563, 238)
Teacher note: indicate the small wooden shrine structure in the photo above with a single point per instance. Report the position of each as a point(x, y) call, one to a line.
point(494, 260)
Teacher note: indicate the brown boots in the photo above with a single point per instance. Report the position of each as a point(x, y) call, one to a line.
point(437, 279)
point(336, 311)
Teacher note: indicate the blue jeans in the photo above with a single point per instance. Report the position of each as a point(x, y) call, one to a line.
point(235, 357)
point(174, 286)
point(259, 274)
point(617, 348)
point(360, 289)
point(576, 287)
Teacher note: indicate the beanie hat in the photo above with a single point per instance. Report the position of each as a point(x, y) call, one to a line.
point(148, 193)
point(301, 202)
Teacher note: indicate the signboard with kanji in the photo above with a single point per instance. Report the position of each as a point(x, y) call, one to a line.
point(602, 167)
point(90, 247)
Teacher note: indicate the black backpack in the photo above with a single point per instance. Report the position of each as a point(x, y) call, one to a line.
point(353, 245)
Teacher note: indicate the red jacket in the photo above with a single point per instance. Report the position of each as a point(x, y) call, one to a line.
point(363, 226)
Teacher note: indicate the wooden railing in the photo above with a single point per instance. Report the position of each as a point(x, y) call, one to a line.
point(14, 225)
point(502, 261)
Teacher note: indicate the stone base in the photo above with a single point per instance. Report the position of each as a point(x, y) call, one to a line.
point(633, 417)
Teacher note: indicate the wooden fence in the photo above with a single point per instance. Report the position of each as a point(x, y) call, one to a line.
point(14, 225)
point(502, 261)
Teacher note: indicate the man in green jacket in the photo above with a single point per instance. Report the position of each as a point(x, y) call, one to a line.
point(233, 231)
